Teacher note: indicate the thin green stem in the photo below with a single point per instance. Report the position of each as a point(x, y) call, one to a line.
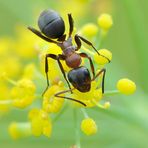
point(11, 81)
point(77, 132)
point(98, 105)
point(84, 113)
point(99, 39)
point(111, 93)
point(60, 113)
point(38, 96)
point(24, 129)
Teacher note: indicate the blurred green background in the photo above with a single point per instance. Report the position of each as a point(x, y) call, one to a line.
point(126, 124)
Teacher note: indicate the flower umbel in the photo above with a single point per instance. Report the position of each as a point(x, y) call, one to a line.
point(25, 87)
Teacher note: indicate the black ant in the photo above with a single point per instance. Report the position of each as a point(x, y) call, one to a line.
point(52, 26)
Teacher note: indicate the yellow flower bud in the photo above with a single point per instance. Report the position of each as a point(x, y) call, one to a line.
point(33, 113)
point(126, 86)
point(47, 129)
point(36, 126)
point(88, 126)
point(102, 60)
point(13, 130)
point(89, 30)
point(106, 105)
point(23, 94)
point(52, 104)
point(40, 123)
point(105, 21)
point(19, 130)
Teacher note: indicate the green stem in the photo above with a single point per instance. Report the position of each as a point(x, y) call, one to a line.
point(77, 134)
point(11, 81)
point(84, 113)
point(99, 39)
point(111, 93)
point(98, 105)
point(60, 113)
point(38, 96)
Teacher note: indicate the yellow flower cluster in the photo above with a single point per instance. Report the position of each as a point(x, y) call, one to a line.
point(88, 98)
point(40, 122)
point(52, 104)
point(28, 80)
point(23, 93)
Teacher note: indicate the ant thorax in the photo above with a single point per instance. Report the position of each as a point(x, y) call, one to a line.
point(69, 51)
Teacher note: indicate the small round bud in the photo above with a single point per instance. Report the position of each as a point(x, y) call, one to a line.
point(13, 130)
point(89, 30)
point(105, 21)
point(126, 86)
point(19, 130)
point(88, 126)
point(100, 59)
point(106, 105)
point(23, 94)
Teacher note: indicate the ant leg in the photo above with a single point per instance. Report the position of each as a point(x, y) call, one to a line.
point(41, 36)
point(78, 42)
point(68, 98)
point(98, 74)
point(79, 38)
point(84, 55)
point(55, 57)
point(71, 24)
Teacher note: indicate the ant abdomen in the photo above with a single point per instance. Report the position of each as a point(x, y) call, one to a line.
point(51, 24)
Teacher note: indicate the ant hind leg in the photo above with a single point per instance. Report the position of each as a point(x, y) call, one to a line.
point(103, 78)
point(68, 98)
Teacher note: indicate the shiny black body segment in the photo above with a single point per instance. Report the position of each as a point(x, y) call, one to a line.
point(51, 24)
point(80, 78)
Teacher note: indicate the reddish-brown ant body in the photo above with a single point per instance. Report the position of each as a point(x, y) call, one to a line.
point(52, 26)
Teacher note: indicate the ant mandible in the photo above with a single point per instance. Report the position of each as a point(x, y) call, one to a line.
point(52, 27)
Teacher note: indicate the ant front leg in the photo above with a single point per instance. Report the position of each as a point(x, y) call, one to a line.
point(103, 78)
point(68, 98)
point(84, 55)
point(71, 24)
point(78, 42)
point(41, 36)
point(58, 58)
